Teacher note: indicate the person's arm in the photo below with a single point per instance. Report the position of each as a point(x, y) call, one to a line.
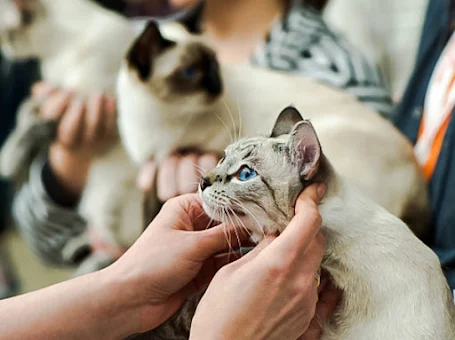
point(44, 207)
point(137, 294)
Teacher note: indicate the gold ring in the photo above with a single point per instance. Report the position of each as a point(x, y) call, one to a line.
point(318, 276)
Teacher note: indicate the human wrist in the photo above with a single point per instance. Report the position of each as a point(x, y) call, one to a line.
point(121, 312)
point(70, 169)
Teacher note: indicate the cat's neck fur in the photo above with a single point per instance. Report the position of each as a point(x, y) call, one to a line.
point(363, 239)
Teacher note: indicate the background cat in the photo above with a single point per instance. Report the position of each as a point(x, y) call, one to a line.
point(80, 47)
point(364, 147)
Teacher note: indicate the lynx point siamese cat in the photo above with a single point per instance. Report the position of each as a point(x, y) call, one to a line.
point(162, 107)
point(393, 284)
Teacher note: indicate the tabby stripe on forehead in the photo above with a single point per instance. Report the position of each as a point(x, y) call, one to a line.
point(273, 195)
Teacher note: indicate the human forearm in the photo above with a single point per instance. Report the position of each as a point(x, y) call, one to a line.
point(88, 307)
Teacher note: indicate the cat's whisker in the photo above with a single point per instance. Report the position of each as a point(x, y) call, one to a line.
point(227, 235)
point(232, 120)
point(240, 119)
point(230, 215)
point(242, 225)
point(227, 128)
point(242, 206)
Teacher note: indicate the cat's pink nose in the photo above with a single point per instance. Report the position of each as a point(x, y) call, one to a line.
point(205, 183)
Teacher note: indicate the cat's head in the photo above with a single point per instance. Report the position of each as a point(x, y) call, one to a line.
point(257, 182)
point(22, 27)
point(184, 73)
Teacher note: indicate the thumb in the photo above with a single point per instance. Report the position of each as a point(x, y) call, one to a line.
point(310, 196)
point(219, 238)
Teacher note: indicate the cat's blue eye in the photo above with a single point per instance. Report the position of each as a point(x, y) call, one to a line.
point(188, 73)
point(246, 174)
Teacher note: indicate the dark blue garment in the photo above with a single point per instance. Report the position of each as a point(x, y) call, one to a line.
point(15, 83)
point(437, 29)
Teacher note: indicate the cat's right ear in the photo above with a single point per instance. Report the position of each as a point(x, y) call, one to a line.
point(149, 45)
point(286, 121)
point(305, 149)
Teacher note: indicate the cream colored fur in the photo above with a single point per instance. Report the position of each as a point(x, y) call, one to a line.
point(365, 148)
point(392, 283)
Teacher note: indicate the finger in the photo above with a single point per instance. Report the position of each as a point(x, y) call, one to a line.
point(69, 129)
point(219, 239)
point(190, 207)
point(55, 106)
point(146, 177)
point(328, 301)
point(255, 252)
point(299, 233)
point(311, 196)
point(187, 174)
point(166, 181)
point(207, 162)
point(110, 107)
point(94, 118)
point(42, 89)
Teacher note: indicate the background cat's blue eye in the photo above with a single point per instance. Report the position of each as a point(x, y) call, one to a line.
point(188, 73)
point(246, 174)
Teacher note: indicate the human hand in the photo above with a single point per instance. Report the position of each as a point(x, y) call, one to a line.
point(177, 175)
point(85, 128)
point(270, 293)
point(173, 259)
point(329, 296)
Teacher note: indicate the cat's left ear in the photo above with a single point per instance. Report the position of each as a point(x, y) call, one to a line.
point(147, 47)
point(286, 121)
point(305, 149)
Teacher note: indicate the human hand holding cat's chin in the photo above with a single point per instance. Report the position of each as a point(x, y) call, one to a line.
point(272, 292)
point(172, 259)
point(86, 126)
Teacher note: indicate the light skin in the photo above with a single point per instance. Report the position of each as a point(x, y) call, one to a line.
point(174, 258)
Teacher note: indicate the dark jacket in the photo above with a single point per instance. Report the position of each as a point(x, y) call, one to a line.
point(15, 83)
point(437, 29)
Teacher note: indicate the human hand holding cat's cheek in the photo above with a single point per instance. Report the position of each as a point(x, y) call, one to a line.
point(270, 293)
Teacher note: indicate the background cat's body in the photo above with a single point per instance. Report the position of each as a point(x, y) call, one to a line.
point(80, 47)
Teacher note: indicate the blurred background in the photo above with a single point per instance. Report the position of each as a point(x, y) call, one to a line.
point(386, 32)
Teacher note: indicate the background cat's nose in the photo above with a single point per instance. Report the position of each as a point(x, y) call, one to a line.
point(205, 183)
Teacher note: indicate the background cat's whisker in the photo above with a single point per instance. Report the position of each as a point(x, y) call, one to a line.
point(232, 119)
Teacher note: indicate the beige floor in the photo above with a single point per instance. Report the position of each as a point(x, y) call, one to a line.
point(32, 273)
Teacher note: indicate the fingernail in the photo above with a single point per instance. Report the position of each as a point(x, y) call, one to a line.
point(321, 190)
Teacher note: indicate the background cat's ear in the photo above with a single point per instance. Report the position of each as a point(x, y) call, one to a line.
point(305, 149)
point(286, 121)
point(149, 44)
